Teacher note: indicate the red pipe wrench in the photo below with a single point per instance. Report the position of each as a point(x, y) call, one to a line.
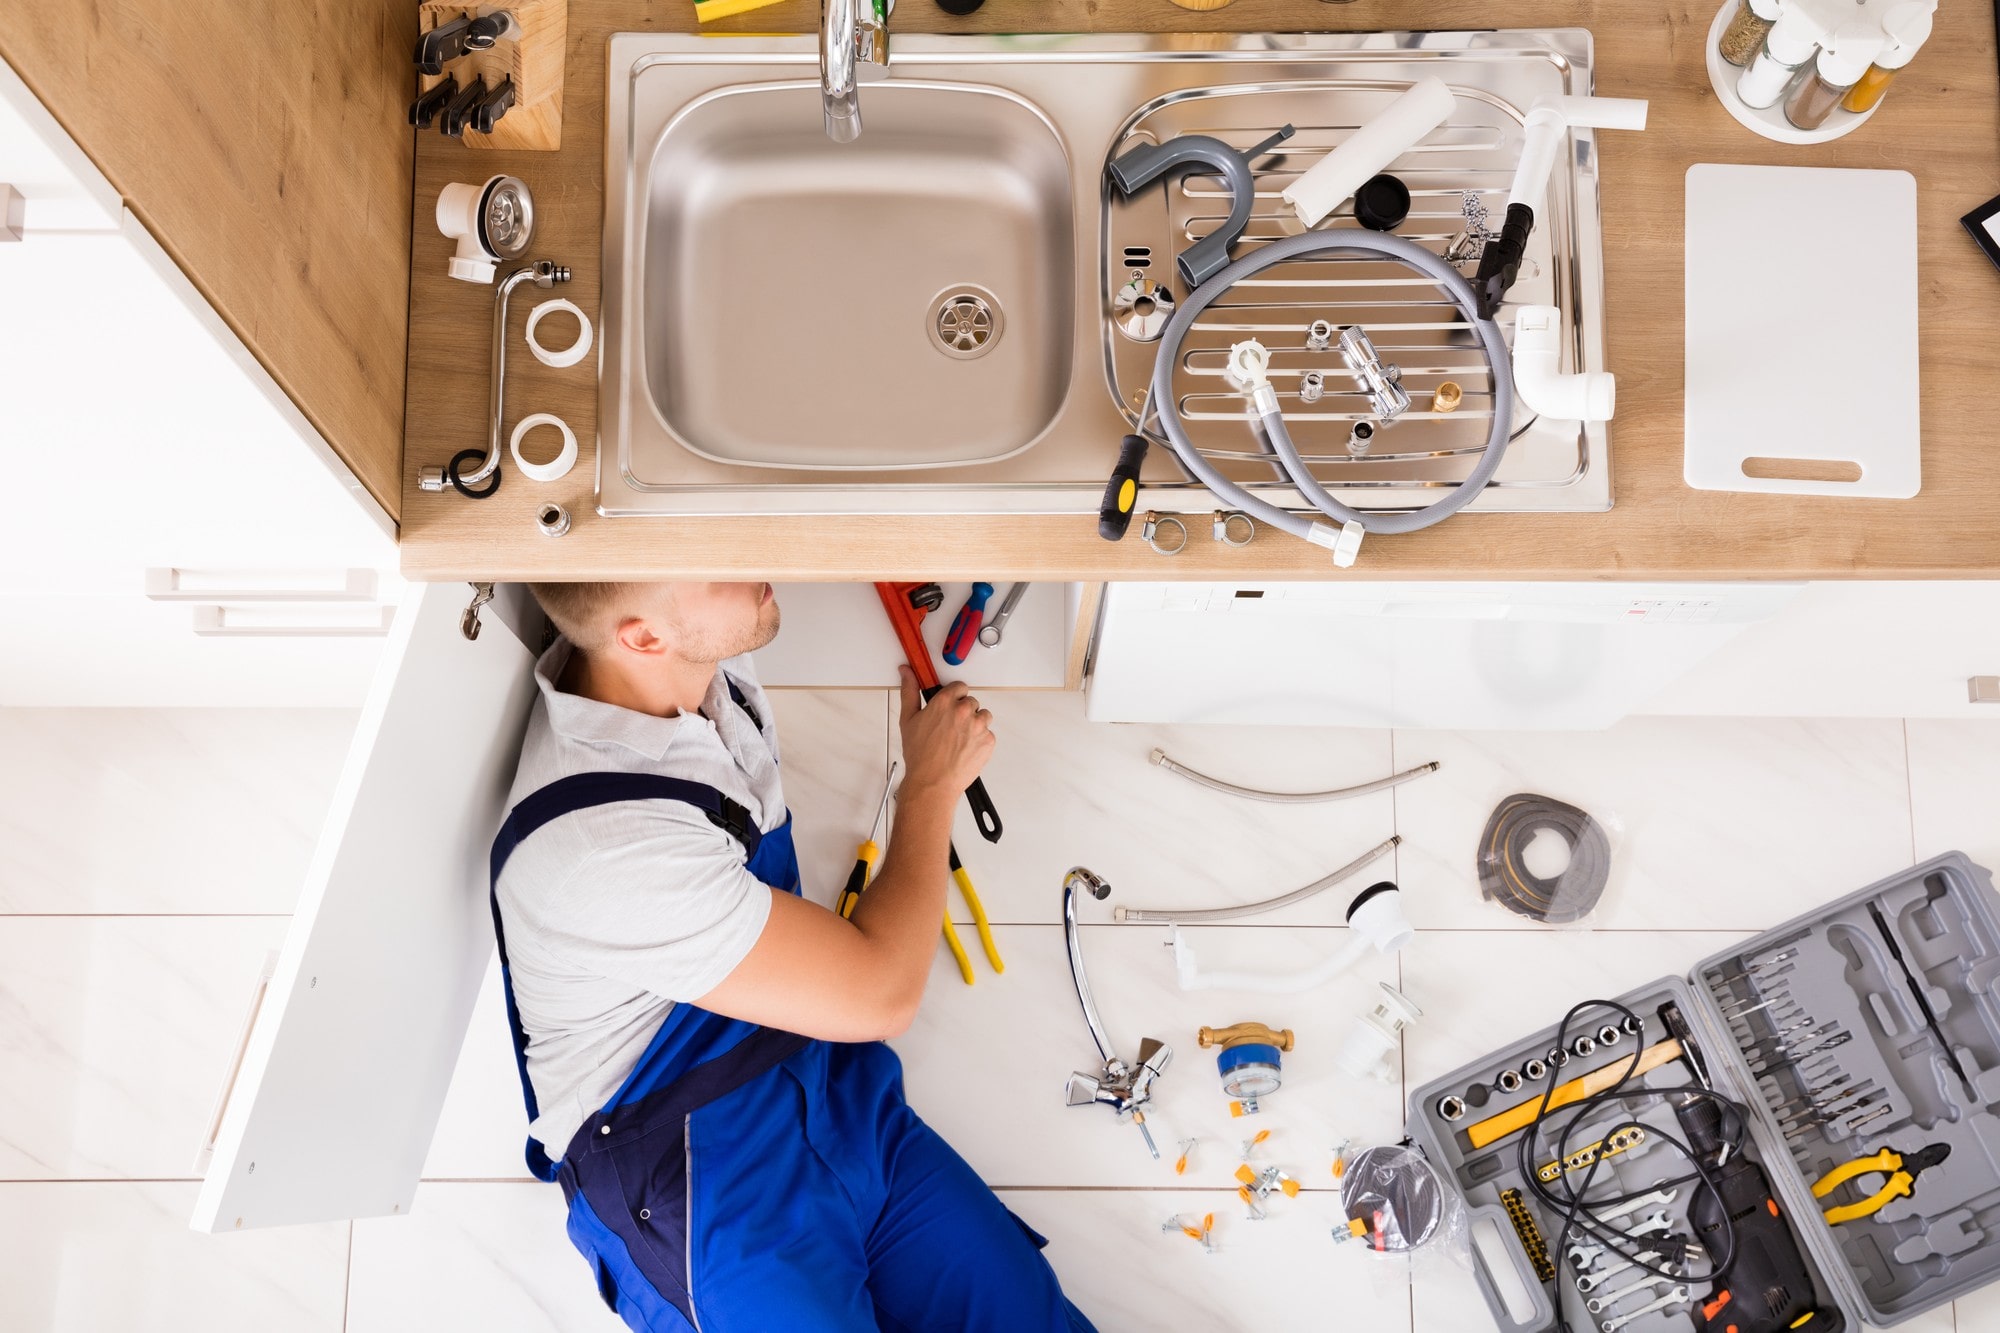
point(907, 605)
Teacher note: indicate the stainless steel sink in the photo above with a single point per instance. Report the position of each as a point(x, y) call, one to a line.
point(838, 307)
point(921, 321)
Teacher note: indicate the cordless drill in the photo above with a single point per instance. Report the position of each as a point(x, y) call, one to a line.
point(1766, 1288)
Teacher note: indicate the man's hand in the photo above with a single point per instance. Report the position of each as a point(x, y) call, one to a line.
point(945, 742)
point(811, 972)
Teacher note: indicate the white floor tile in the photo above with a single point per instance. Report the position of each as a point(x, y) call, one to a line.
point(834, 747)
point(985, 1064)
point(84, 1257)
point(484, 1126)
point(163, 810)
point(490, 1257)
point(1954, 775)
point(1069, 790)
point(1284, 1273)
point(1977, 1313)
point(1730, 824)
point(115, 1036)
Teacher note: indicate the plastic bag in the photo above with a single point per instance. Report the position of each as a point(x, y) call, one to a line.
point(1395, 1204)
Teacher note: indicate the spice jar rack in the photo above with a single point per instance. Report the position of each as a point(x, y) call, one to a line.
point(1770, 121)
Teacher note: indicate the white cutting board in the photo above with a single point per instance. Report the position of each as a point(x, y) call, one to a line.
point(1802, 331)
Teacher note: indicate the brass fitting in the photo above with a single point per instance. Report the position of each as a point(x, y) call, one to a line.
point(1241, 1034)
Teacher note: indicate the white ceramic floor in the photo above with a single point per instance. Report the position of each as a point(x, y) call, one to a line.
point(147, 859)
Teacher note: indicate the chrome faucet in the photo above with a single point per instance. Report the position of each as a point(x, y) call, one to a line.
point(1125, 1088)
point(851, 33)
point(541, 273)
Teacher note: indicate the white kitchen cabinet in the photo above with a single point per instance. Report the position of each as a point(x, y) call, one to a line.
point(138, 433)
point(1459, 655)
point(1861, 649)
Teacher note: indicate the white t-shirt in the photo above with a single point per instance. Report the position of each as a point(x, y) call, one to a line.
point(616, 912)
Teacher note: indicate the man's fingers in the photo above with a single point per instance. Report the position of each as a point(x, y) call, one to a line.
point(913, 698)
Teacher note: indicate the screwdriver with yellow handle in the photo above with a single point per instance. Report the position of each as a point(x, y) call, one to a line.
point(866, 855)
point(971, 895)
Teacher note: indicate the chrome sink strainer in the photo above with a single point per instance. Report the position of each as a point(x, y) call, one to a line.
point(965, 322)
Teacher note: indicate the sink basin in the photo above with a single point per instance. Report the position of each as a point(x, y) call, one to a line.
point(922, 321)
point(904, 301)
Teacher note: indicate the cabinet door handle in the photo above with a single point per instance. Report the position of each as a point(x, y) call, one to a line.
point(174, 584)
point(257, 994)
point(292, 622)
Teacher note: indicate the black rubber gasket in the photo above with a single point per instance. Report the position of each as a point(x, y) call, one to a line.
point(459, 460)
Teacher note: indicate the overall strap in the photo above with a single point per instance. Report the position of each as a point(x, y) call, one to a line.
point(736, 693)
point(580, 791)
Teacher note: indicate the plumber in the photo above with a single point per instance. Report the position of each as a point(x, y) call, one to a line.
point(701, 1048)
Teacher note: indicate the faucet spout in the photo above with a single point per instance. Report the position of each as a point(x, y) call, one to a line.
point(851, 33)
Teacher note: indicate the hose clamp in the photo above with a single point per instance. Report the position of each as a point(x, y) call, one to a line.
point(1222, 532)
point(1150, 532)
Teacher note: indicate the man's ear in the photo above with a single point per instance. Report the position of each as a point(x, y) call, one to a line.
point(635, 635)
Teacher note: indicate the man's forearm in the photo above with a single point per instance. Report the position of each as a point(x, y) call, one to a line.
point(902, 910)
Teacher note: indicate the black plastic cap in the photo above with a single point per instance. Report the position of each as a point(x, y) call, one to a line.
point(1382, 203)
point(959, 8)
point(1368, 894)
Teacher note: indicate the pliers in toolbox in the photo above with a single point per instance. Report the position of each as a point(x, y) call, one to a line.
point(964, 879)
point(1902, 1169)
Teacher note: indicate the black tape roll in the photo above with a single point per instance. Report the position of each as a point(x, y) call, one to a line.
point(1505, 878)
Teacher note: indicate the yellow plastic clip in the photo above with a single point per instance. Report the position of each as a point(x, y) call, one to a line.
point(1187, 1151)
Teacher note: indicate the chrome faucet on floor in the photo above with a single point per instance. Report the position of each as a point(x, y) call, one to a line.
point(851, 33)
point(1125, 1088)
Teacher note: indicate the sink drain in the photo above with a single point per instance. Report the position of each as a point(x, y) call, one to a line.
point(965, 322)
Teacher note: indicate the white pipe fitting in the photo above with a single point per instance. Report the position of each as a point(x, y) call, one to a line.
point(1549, 120)
point(1538, 376)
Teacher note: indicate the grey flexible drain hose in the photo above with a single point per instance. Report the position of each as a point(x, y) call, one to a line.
point(1355, 242)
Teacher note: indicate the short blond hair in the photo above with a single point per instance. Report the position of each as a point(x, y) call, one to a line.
point(587, 614)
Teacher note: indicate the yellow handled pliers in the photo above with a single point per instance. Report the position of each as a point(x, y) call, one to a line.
point(964, 878)
point(1901, 1169)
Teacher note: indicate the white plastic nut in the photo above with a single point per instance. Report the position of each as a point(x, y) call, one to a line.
point(554, 469)
point(567, 356)
point(1249, 364)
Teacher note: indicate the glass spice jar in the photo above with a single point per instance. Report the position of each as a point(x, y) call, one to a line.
point(1908, 27)
point(1744, 36)
point(1789, 44)
point(1839, 65)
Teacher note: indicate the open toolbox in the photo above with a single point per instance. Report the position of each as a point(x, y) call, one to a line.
point(1822, 1029)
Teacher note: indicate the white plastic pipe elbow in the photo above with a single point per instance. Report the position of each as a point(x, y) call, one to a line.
point(1549, 120)
point(1538, 376)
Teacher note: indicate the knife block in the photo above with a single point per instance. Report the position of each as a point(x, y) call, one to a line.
point(534, 61)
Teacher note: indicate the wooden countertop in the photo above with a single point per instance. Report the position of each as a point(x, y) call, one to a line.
point(1941, 122)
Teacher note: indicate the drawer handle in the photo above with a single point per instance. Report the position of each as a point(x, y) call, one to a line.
point(272, 622)
point(257, 994)
point(174, 584)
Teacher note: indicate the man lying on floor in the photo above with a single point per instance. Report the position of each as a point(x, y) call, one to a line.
point(701, 1047)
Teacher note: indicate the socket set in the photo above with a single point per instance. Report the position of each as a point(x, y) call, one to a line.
point(1862, 1041)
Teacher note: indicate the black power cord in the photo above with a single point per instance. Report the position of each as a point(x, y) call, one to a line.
point(1567, 1199)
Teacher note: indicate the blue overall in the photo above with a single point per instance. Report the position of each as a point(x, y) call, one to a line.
point(748, 1180)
